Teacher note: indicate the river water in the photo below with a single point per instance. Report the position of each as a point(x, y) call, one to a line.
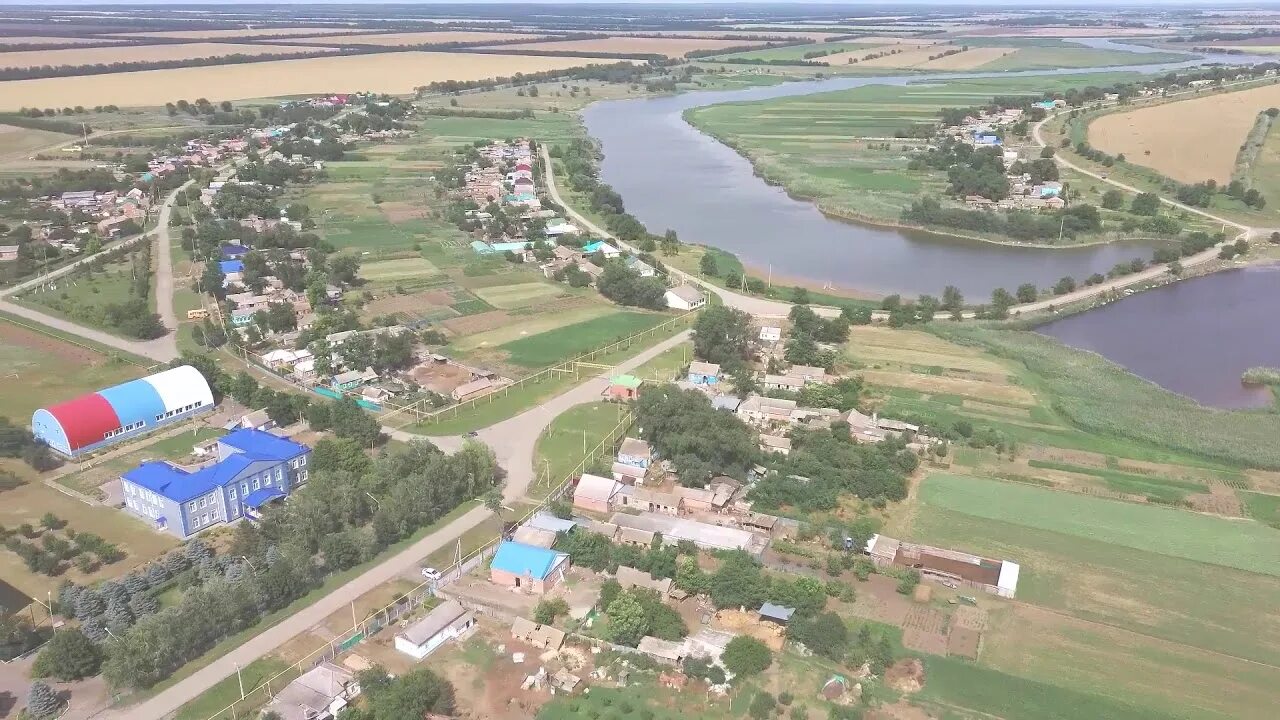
point(672, 176)
point(1194, 337)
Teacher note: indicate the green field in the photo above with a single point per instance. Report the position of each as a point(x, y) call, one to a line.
point(1263, 508)
point(1191, 536)
point(37, 370)
point(809, 144)
point(389, 271)
point(1156, 488)
point(1050, 58)
point(516, 295)
point(81, 297)
point(1265, 172)
point(554, 346)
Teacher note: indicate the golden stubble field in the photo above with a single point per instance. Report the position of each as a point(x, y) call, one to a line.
point(143, 53)
point(1188, 140)
point(671, 47)
point(46, 40)
point(418, 38)
point(394, 73)
point(243, 33)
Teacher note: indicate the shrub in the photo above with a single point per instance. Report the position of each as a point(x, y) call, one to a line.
point(745, 656)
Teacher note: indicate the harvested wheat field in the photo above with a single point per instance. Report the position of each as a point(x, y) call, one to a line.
point(395, 73)
point(1188, 140)
point(142, 53)
point(671, 47)
point(45, 40)
point(241, 33)
point(742, 37)
point(418, 38)
point(1085, 32)
point(968, 59)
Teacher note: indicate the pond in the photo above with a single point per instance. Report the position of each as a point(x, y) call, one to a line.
point(1194, 337)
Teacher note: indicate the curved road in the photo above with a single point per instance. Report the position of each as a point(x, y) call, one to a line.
point(162, 349)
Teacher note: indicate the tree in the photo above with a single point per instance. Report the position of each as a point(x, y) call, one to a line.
point(628, 621)
point(412, 695)
point(745, 656)
point(1145, 204)
point(708, 265)
point(68, 656)
point(1064, 286)
point(825, 634)
point(762, 706)
point(42, 702)
point(951, 298)
point(546, 611)
point(722, 335)
point(1026, 293)
point(1112, 199)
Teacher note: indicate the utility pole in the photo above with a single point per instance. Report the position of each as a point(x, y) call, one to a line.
point(240, 680)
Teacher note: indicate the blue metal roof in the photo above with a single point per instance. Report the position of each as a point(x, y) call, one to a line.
point(231, 266)
point(520, 559)
point(258, 498)
point(179, 485)
point(263, 445)
point(776, 612)
point(234, 251)
point(547, 521)
point(133, 401)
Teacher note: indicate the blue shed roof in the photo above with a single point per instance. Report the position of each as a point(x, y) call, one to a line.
point(231, 266)
point(258, 498)
point(133, 401)
point(776, 612)
point(547, 521)
point(234, 251)
point(263, 445)
point(520, 559)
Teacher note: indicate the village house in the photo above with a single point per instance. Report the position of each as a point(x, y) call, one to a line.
point(640, 267)
point(623, 388)
point(635, 452)
point(599, 246)
point(685, 297)
point(531, 569)
point(9, 253)
point(628, 474)
point(445, 622)
point(704, 373)
point(770, 334)
point(318, 694)
point(704, 535)
point(595, 493)
point(808, 373)
point(760, 411)
point(713, 498)
point(629, 577)
point(788, 383)
point(775, 444)
point(645, 499)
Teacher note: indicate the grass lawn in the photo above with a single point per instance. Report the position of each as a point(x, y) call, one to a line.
point(517, 295)
point(1263, 508)
point(37, 369)
point(666, 366)
point(1202, 538)
point(554, 346)
point(28, 502)
point(389, 271)
point(220, 696)
point(81, 297)
point(566, 442)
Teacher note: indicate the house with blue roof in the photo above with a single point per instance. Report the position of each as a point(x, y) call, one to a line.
point(253, 468)
point(231, 266)
point(528, 568)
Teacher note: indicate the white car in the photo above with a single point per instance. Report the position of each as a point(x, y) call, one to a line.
point(430, 573)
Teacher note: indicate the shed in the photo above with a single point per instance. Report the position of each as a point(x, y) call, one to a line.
point(629, 577)
point(662, 650)
point(442, 624)
point(539, 636)
point(595, 493)
point(776, 613)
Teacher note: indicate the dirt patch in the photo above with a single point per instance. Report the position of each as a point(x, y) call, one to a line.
point(906, 675)
point(994, 409)
point(480, 322)
point(1220, 500)
point(440, 377)
point(747, 623)
point(924, 629)
point(15, 335)
point(878, 599)
point(422, 303)
point(950, 386)
point(488, 685)
point(1264, 480)
point(901, 710)
point(398, 212)
point(964, 643)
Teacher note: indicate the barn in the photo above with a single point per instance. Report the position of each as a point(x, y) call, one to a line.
point(93, 421)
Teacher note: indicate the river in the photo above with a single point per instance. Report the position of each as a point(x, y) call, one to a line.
point(1194, 337)
point(672, 176)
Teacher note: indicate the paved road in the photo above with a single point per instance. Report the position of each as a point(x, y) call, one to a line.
point(513, 443)
point(162, 349)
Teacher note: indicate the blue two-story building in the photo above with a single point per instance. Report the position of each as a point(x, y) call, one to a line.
point(253, 468)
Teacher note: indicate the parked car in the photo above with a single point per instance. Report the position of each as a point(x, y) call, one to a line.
point(430, 573)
